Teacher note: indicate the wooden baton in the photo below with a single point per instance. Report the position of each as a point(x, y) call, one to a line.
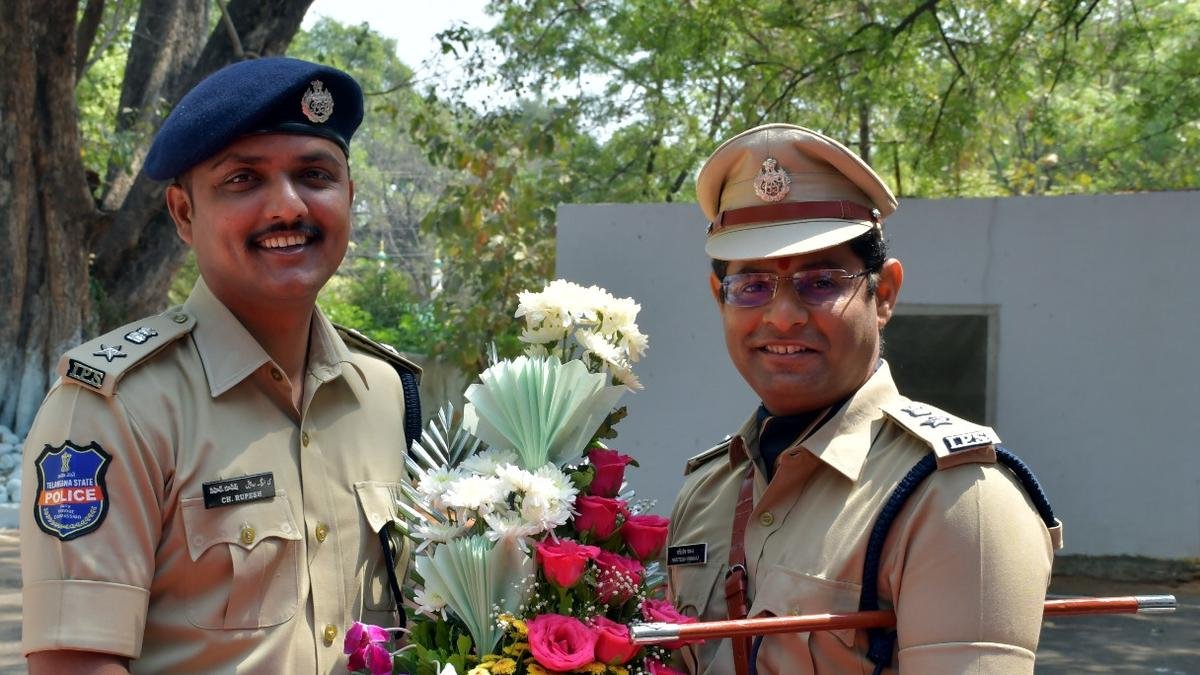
point(657, 633)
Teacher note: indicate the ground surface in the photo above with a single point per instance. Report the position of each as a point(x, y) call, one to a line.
point(1166, 644)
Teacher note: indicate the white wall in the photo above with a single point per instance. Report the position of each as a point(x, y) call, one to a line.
point(1097, 382)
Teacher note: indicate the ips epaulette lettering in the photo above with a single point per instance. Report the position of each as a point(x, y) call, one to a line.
point(705, 457)
point(99, 364)
point(380, 350)
point(954, 440)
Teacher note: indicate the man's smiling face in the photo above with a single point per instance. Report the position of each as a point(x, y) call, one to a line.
point(268, 218)
point(799, 357)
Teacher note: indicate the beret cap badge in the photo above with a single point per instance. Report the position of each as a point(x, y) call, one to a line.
point(772, 183)
point(317, 104)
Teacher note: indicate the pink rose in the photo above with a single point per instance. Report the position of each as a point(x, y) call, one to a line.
point(610, 471)
point(618, 579)
point(561, 643)
point(364, 643)
point(598, 515)
point(613, 645)
point(645, 535)
point(657, 668)
point(563, 561)
point(664, 612)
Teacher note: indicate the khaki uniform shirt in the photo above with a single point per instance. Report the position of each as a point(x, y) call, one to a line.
point(965, 566)
point(251, 585)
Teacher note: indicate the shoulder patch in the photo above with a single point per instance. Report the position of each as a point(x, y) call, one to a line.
point(954, 440)
point(356, 340)
point(71, 498)
point(705, 457)
point(100, 363)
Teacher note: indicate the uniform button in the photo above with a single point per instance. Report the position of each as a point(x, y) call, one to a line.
point(322, 532)
point(304, 438)
point(330, 634)
point(276, 375)
point(179, 318)
point(767, 519)
point(247, 535)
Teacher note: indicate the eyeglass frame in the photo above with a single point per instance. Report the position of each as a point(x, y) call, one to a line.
point(774, 277)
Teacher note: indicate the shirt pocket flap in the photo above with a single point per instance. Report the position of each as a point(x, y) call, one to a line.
point(785, 592)
point(378, 501)
point(243, 525)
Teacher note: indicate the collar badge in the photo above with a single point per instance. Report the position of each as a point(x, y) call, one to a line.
point(772, 183)
point(317, 104)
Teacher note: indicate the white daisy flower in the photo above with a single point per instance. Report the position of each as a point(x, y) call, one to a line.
point(478, 493)
point(430, 603)
point(486, 462)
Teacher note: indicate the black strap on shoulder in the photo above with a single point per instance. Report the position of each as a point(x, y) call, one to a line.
point(882, 641)
point(412, 409)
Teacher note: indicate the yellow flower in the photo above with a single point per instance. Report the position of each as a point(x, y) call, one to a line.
point(516, 649)
point(534, 669)
point(504, 667)
point(520, 627)
point(479, 670)
point(618, 670)
point(596, 668)
point(488, 658)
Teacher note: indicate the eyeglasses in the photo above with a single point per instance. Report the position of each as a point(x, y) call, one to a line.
point(813, 287)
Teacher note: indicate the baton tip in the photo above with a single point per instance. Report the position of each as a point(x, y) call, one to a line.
point(1156, 604)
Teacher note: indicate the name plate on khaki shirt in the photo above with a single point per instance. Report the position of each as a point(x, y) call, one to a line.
point(241, 490)
point(687, 554)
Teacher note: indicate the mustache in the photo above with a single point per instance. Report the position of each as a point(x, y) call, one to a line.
point(300, 227)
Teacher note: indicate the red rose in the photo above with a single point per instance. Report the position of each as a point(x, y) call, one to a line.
point(618, 579)
point(664, 612)
point(610, 471)
point(613, 645)
point(598, 515)
point(563, 561)
point(657, 668)
point(561, 643)
point(645, 535)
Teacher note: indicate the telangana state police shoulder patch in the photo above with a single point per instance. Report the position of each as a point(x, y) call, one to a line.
point(71, 498)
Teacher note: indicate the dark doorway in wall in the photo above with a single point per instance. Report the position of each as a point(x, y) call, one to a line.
point(945, 356)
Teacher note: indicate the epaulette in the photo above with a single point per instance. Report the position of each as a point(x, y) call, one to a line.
point(954, 441)
point(705, 457)
point(100, 363)
point(388, 353)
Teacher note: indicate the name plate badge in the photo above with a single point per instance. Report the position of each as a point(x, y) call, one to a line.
point(241, 490)
point(687, 554)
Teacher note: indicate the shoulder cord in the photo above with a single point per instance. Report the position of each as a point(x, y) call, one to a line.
point(412, 434)
point(881, 641)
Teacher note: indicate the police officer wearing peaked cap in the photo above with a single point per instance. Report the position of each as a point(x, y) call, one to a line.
point(212, 481)
point(776, 520)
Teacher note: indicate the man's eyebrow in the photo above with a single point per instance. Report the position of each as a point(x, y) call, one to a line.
point(234, 158)
point(319, 156)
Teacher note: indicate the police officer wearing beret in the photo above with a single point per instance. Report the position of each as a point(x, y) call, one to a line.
point(212, 481)
point(777, 519)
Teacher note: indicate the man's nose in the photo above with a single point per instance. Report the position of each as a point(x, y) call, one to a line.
point(284, 202)
point(786, 309)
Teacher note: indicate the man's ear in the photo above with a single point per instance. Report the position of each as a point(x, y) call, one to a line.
point(891, 277)
point(714, 284)
point(179, 204)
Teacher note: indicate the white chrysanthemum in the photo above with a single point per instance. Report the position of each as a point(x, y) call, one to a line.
point(599, 346)
point(513, 478)
point(430, 603)
point(434, 484)
point(437, 533)
point(620, 316)
point(543, 334)
point(545, 515)
point(486, 462)
point(626, 377)
point(478, 493)
point(635, 344)
point(558, 482)
point(510, 526)
point(537, 351)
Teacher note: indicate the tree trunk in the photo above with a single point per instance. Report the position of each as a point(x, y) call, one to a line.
point(50, 227)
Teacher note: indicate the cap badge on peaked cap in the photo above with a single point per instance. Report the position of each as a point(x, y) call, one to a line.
point(317, 104)
point(772, 183)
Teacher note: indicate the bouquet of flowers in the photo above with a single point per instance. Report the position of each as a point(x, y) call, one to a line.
point(531, 556)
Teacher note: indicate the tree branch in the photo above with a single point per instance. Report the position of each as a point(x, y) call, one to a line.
point(85, 34)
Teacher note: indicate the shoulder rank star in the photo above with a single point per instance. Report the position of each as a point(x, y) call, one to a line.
point(317, 104)
point(110, 353)
point(772, 183)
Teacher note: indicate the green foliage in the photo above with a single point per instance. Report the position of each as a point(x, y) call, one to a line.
point(98, 93)
point(377, 300)
point(442, 642)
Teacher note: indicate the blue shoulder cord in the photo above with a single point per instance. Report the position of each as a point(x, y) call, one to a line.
point(881, 641)
point(412, 434)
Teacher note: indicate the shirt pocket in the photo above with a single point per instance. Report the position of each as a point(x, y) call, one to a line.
point(378, 503)
point(786, 592)
point(699, 591)
point(246, 564)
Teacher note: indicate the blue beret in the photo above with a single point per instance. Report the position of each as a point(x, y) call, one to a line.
point(276, 94)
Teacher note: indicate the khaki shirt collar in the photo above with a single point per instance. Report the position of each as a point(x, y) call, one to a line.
point(843, 441)
point(230, 354)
